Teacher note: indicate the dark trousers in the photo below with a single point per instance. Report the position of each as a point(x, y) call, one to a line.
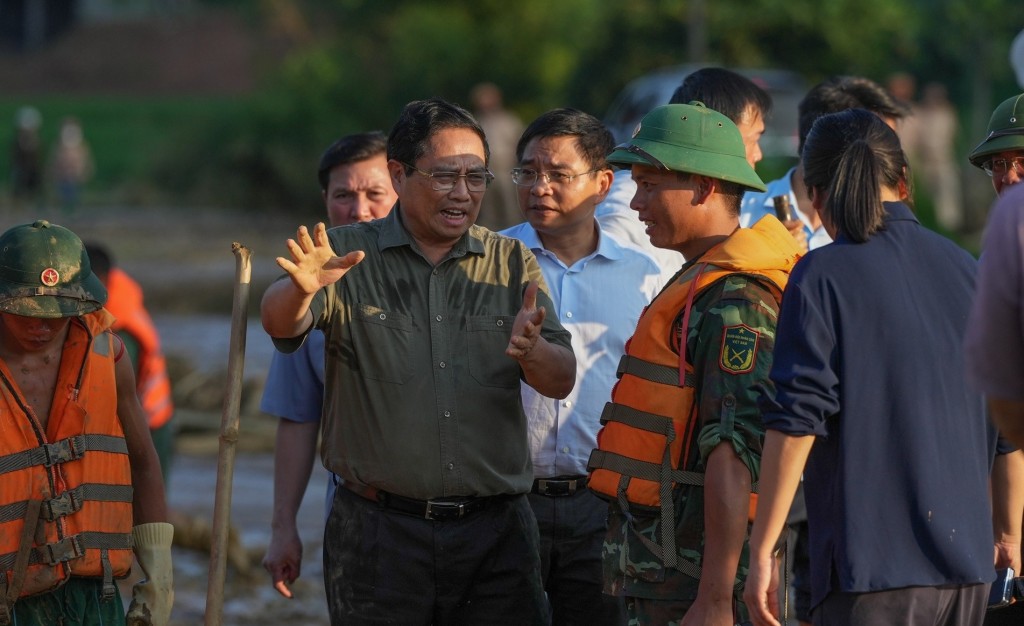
point(386, 567)
point(572, 531)
point(954, 605)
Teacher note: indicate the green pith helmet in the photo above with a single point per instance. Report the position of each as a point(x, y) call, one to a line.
point(45, 272)
point(1005, 131)
point(689, 138)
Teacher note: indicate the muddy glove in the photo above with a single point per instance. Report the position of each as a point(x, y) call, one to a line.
point(153, 596)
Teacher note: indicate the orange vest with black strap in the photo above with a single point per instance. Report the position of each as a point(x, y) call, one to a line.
point(124, 301)
point(647, 429)
point(66, 491)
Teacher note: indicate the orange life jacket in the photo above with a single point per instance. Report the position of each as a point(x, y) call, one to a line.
point(647, 428)
point(66, 491)
point(124, 301)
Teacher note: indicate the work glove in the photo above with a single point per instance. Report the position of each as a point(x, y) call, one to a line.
point(153, 596)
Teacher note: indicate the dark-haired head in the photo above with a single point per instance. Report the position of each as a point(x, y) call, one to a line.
point(849, 159)
point(420, 120)
point(725, 91)
point(593, 141)
point(838, 93)
point(734, 96)
point(350, 149)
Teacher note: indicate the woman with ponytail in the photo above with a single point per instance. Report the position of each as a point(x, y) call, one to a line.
point(870, 395)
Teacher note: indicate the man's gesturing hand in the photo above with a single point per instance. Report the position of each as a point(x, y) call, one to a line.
point(313, 264)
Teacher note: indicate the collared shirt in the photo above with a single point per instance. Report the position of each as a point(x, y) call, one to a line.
point(421, 400)
point(294, 389)
point(758, 204)
point(869, 358)
point(598, 299)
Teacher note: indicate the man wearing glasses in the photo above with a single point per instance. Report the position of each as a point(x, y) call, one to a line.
point(995, 332)
point(599, 287)
point(430, 323)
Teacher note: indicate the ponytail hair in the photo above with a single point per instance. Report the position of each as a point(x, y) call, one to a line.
point(851, 156)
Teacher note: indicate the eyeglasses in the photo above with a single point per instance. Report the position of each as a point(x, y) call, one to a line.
point(446, 181)
point(528, 178)
point(999, 167)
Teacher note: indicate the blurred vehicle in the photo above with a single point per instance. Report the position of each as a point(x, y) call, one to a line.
point(780, 140)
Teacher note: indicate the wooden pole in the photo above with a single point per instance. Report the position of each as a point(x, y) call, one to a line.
point(228, 438)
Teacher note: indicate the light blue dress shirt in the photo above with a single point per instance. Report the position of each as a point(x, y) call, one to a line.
point(758, 204)
point(599, 300)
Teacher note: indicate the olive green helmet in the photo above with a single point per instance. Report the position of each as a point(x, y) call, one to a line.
point(689, 138)
point(1005, 131)
point(45, 272)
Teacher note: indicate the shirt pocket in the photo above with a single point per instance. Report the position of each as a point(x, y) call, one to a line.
point(383, 343)
point(488, 339)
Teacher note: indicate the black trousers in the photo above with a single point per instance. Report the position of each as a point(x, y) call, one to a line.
point(386, 567)
point(954, 605)
point(572, 532)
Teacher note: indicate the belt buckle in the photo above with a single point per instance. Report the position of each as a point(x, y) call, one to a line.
point(557, 488)
point(443, 511)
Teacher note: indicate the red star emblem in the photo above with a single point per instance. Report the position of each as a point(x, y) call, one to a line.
point(50, 277)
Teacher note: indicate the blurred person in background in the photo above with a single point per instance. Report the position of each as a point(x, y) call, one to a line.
point(356, 187)
point(135, 327)
point(500, 208)
point(72, 164)
point(27, 158)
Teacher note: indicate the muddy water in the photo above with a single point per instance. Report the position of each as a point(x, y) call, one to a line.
point(249, 598)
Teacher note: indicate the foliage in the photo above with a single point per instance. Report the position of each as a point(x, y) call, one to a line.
point(355, 63)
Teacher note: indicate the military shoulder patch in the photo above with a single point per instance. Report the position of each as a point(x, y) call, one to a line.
point(739, 349)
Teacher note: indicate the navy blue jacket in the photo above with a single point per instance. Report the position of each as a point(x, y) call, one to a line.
point(869, 358)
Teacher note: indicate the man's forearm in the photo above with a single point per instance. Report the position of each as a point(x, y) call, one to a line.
point(1008, 416)
point(550, 369)
point(284, 310)
point(726, 505)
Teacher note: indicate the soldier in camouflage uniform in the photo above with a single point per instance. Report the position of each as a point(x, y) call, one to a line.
point(679, 453)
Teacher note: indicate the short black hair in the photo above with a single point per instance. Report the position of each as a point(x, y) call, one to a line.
point(593, 140)
point(839, 93)
point(100, 259)
point(418, 122)
point(724, 91)
point(350, 149)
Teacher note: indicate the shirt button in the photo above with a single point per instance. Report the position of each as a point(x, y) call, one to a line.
point(567, 403)
point(442, 365)
point(434, 272)
point(447, 413)
point(383, 316)
point(438, 318)
point(565, 449)
point(569, 314)
point(451, 466)
point(500, 322)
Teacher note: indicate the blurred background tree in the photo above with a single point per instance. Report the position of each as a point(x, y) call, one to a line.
point(330, 67)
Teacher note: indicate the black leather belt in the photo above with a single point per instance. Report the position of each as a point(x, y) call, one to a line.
point(437, 510)
point(559, 486)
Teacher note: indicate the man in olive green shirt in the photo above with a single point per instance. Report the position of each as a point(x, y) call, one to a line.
point(430, 324)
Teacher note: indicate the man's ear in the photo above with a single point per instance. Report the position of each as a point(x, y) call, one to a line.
point(397, 172)
point(704, 186)
point(604, 179)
